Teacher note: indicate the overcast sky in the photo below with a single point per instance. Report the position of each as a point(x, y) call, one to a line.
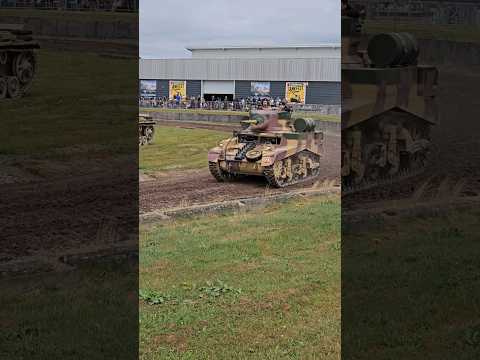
point(168, 26)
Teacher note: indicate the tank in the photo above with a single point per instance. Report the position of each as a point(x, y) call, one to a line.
point(388, 107)
point(273, 145)
point(18, 63)
point(146, 129)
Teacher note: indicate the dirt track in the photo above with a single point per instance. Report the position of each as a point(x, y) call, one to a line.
point(175, 189)
point(70, 212)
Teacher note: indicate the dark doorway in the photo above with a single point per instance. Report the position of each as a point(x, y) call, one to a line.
point(210, 97)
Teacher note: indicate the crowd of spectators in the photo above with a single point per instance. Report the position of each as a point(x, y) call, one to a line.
point(237, 104)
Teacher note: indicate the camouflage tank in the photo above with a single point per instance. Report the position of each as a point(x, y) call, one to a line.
point(146, 129)
point(388, 107)
point(17, 60)
point(272, 145)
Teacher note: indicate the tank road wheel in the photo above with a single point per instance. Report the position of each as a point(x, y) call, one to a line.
point(218, 173)
point(149, 134)
point(292, 170)
point(275, 175)
point(24, 67)
point(3, 88)
point(13, 87)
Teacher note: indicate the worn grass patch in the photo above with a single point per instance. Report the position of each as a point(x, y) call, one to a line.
point(178, 149)
point(260, 285)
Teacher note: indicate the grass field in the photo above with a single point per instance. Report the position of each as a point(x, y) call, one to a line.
point(259, 285)
point(178, 149)
point(72, 315)
point(98, 110)
point(427, 31)
point(408, 285)
point(312, 115)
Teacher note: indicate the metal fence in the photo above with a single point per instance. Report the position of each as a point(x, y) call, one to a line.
point(92, 5)
point(236, 105)
point(203, 105)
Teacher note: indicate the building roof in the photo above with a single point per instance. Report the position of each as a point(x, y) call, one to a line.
point(314, 46)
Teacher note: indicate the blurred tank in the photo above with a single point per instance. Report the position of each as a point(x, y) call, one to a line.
point(18, 62)
point(146, 129)
point(272, 145)
point(388, 107)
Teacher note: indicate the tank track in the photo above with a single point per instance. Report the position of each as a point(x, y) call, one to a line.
point(218, 173)
point(269, 174)
point(390, 180)
point(407, 174)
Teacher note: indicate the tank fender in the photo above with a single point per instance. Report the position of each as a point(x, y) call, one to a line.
point(214, 154)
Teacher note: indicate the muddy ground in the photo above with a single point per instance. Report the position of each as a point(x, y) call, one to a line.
point(183, 188)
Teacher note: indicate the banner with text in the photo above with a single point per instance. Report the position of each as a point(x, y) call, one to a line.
point(177, 88)
point(295, 92)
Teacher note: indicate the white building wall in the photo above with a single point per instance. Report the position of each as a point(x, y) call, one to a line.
point(268, 69)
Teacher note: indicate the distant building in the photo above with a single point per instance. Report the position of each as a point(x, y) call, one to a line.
point(239, 72)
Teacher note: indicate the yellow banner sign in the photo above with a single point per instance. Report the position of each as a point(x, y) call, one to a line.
point(177, 88)
point(295, 92)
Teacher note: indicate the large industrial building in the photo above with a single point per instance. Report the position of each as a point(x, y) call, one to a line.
point(308, 74)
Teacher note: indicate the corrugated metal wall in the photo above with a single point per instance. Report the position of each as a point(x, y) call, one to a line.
point(326, 93)
point(324, 69)
point(162, 88)
point(194, 88)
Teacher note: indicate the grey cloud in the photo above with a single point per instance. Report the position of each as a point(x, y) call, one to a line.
point(167, 27)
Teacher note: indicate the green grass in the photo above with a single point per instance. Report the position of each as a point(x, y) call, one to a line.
point(312, 115)
point(427, 31)
point(259, 285)
point(76, 99)
point(408, 285)
point(72, 315)
point(178, 149)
